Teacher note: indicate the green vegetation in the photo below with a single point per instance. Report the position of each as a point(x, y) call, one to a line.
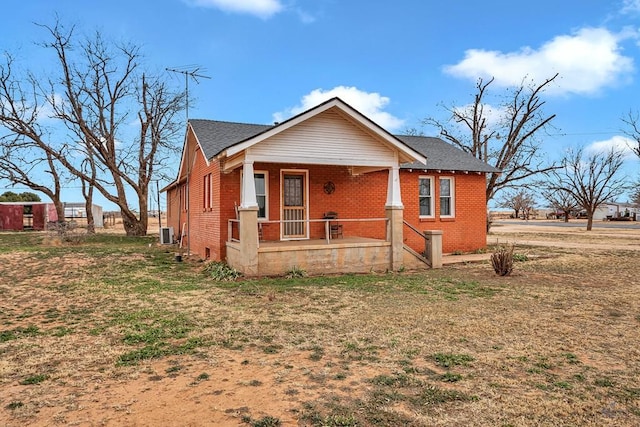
point(221, 271)
point(34, 379)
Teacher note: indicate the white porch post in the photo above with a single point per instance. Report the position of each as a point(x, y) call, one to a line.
point(248, 197)
point(393, 188)
point(248, 216)
point(394, 215)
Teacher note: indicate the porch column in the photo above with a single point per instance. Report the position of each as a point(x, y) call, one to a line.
point(248, 216)
point(394, 211)
point(393, 187)
point(248, 197)
point(248, 240)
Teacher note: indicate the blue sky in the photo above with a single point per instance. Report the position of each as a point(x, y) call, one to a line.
point(394, 61)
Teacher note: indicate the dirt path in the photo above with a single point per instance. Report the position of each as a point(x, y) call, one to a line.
point(543, 234)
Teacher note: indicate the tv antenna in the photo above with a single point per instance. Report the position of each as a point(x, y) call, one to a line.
point(188, 71)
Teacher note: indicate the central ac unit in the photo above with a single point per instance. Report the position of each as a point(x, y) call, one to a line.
point(166, 235)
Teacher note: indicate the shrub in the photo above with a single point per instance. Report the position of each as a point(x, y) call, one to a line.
point(220, 271)
point(296, 272)
point(502, 260)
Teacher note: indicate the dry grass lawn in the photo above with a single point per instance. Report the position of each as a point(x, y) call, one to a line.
point(113, 332)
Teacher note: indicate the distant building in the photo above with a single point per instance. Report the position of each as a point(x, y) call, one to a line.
point(18, 216)
point(616, 210)
point(78, 212)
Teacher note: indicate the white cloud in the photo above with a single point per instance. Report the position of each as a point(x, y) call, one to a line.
point(305, 17)
point(262, 8)
point(369, 104)
point(617, 142)
point(630, 7)
point(588, 60)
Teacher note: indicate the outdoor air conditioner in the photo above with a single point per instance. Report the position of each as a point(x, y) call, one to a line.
point(166, 235)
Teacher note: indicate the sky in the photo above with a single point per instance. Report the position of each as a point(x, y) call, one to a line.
point(398, 62)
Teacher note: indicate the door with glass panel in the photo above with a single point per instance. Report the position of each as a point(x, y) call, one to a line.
point(294, 201)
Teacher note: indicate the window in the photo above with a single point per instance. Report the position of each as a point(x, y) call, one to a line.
point(261, 193)
point(183, 196)
point(207, 193)
point(425, 192)
point(447, 204)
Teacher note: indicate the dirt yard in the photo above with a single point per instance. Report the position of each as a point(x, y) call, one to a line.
point(114, 332)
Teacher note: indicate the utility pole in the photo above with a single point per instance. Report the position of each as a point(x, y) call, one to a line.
point(194, 73)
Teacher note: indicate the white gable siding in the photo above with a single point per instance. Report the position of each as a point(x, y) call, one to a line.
point(327, 138)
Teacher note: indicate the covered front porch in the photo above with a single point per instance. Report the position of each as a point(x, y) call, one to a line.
point(330, 158)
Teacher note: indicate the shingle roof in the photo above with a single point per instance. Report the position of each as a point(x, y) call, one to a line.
point(443, 156)
point(216, 136)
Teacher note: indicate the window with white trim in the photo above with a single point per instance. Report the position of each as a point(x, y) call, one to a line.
point(425, 196)
point(207, 193)
point(447, 201)
point(261, 180)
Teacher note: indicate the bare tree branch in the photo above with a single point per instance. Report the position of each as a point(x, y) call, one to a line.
point(511, 143)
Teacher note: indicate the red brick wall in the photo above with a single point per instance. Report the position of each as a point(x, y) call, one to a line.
point(362, 196)
point(467, 230)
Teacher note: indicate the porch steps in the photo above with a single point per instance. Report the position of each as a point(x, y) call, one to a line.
point(417, 255)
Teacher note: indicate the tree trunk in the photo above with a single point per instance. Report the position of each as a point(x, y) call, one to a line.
point(59, 209)
point(91, 226)
point(566, 216)
point(133, 226)
point(589, 221)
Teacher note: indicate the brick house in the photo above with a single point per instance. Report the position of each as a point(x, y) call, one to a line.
point(326, 191)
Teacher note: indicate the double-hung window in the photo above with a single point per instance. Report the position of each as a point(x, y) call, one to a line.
point(261, 193)
point(425, 194)
point(447, 202)
point(207, 193)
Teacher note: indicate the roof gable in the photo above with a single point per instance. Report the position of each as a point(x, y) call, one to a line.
point(405, 152)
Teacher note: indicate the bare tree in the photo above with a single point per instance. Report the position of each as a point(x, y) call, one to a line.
point(97, 93)
point(591, 180)
point(631, 120)
point(561, 200)
point(511, 143)
point(520, 201)
point(22, 162)
point(635, 195)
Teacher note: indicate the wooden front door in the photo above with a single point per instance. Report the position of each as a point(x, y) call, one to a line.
point(294, 205)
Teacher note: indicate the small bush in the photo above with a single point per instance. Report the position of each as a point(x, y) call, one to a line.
point(520, 257)
point(296, 272)
point(221, 272)
point(502, 260)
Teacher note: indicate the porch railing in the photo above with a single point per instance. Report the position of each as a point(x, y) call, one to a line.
point(234, 225)
point(427, 247)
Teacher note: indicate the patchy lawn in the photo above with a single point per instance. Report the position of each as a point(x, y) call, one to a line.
point(114, 332)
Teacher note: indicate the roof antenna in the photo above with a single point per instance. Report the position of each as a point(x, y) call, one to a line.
point(188, 71)
point(193, 72)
